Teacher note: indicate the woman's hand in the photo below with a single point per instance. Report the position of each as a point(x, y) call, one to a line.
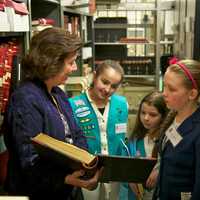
point(76, 180)
point(151, 181)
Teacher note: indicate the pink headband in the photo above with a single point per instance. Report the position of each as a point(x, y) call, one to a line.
point(187, 72)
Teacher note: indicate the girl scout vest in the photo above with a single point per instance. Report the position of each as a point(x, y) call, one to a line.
point(116, 123)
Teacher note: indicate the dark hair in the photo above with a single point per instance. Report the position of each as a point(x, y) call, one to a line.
point(155, 99)
point(48, 50)
point(110, 64)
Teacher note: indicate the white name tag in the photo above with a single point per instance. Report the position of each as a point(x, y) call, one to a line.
point(120, 128)
point(173, 136)
point(186, 195)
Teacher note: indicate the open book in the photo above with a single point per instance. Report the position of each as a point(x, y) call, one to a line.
point(116, 168)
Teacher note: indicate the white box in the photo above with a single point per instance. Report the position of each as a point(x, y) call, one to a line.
point(19, 23)
point(4, 25)
point(87, 52)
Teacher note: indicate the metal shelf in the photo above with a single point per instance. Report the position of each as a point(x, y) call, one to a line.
point(124, 43)
point(49, 1)
point(119, 26)
point(11, 34)
point(73, 11)
point(77, 5)
point(166, 42)
point(87, 42)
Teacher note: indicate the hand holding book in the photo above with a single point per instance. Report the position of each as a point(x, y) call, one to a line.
point(76, 179)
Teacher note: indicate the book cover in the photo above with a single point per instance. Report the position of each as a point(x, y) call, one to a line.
point(63, 154)
point(126, 169)
point(116, 168)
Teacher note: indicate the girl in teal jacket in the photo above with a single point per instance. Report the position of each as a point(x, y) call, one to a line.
point(142, 142)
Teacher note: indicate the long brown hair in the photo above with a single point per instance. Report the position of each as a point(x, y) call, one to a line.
point(155, 99)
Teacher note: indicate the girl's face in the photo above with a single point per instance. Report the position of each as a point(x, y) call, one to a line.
point(106, 83)
point(150, 116)
point(176, 95)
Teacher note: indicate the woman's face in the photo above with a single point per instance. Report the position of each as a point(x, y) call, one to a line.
point(69, 67)
point(150, 116)
point(106, 83)
point(176, 95)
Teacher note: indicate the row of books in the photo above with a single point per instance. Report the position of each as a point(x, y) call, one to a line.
point(7, 53)
point(72, 24)
point(138, 67)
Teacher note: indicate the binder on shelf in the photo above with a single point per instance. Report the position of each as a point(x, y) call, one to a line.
point(116, 168)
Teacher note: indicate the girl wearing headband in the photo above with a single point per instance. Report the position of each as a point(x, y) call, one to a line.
point(179, 173)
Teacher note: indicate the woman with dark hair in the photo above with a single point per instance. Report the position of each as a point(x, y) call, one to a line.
point(39, 105)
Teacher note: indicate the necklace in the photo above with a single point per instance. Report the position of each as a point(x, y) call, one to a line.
point(64, 121)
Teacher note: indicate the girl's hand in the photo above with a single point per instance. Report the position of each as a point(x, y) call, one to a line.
point(137, 191)
point(151, 181)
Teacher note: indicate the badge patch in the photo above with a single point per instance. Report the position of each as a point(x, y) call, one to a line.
point(79, 102)
point(85, 120)
point(83, 114)
point(82, 109)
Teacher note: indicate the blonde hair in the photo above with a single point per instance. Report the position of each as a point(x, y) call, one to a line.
point(194, 68)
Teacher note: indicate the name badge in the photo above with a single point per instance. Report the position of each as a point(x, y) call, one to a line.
point(173, 136)
point(186, 195)
point(120, 128)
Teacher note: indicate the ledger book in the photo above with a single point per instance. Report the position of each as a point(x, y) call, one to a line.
point(116, 168)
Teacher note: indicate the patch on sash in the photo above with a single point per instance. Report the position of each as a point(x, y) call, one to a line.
point(79, 102)
point(83, 114)
point(85, 120)
point(82, 109)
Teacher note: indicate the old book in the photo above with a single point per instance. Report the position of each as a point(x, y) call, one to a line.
point(64, 154)
point(116, 168)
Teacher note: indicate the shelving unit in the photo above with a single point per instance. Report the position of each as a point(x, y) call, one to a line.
point(51, 9)
point(13, 45)
point(70, 18)
point(82, 24)
point(139, 41)
point(44, 9)
point(145, 55)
